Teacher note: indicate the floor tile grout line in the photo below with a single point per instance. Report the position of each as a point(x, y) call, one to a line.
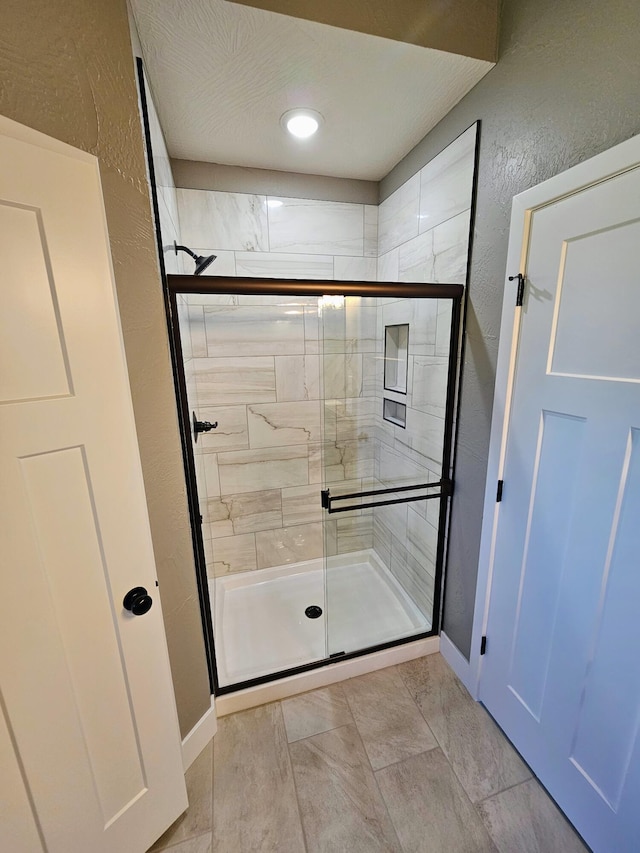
point(409, 757)
point(375, 782)
point(185, 840)
point(444, 752)
point(504, 790)
point(293, 778)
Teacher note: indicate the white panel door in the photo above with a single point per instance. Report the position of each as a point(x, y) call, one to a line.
point(562, 669)
point(89, 743)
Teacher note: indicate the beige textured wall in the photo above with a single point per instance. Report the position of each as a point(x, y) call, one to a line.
point(66, 69)
point(467, 27)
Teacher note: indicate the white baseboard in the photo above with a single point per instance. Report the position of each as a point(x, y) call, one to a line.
point(199, 737)
point(322, 677)
point(459, 664)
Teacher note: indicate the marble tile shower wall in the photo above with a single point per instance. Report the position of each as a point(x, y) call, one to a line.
point(423, 237)
point(257, 235)
point(255, 368)
point(278, 417)
point(276, 403)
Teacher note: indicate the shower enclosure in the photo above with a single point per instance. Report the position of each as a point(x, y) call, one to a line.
point(319, 418)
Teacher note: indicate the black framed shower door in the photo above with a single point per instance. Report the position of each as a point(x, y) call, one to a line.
point(394, 461)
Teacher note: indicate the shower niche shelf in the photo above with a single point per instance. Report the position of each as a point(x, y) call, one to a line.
point(396, 348)
point(394, 412)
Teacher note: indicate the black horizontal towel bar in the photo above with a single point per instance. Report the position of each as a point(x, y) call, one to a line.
point(327, 499)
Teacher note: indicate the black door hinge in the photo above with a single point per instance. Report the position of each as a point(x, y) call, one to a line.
point(483, 646)
point(499, 492)
point(520, 292)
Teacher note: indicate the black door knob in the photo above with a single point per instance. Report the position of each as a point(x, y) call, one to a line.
point(138, 601)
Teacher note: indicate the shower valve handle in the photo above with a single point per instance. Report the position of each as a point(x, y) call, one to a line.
point(202, 426)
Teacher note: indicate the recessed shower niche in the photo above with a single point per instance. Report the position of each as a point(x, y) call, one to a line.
point(396, 347)
point(310, 500)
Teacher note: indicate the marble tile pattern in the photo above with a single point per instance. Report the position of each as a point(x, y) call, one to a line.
point(232, 221)
point(481, 757)
point(429, 809)
point(254, 797)
point(297, 389)
point(367, 765)
point(310, 226)
point(388, 736)
point(284, 265)
point(340, 803)
point(446, 182)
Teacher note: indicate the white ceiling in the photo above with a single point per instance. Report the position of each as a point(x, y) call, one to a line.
point(222, 74)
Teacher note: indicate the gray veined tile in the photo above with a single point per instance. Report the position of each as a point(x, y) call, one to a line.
point(389, 265)
point(312, 226)
point(524, 818)
point(198, 817)
point(283, 424)
point(398, 215)
point(231, 432)
point(355, 269)
point(227, 220)
point(207, 475)
point(429, 808)
point(315, 712)
point(443, 328)
point(429, 386)
point(311, 329)
point(371, 230)
point(234, 554)
point(354, 534)
point(416, 259)
point(196, 329)
point(267, 468)
point(284, 265)
point(389, 722)
point(301, 505)
point(446, 182)
point(247, 512)
point(450, 250)
point(221, 381)
point(340, 805)
point(254, 330)
point(254, 800)
point(297, 377)
point(333, 374)
point(289, 545)
point(414, 576)
point(481, 756)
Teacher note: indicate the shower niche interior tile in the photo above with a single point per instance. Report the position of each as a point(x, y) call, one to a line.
point(394, 412)
point(396, 349)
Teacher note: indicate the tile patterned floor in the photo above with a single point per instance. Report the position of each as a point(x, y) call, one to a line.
point(397, 761)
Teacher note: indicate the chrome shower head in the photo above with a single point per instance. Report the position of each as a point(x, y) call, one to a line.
point(201, 261)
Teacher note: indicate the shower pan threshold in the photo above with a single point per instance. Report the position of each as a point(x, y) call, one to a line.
point(261, 626)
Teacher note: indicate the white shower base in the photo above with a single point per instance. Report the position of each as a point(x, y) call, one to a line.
point(260, 625)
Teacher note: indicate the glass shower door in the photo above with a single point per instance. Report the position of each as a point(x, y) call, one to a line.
point(385, 375)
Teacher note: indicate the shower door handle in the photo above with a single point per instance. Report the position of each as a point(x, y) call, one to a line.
point(201, 426)
point(444, 486)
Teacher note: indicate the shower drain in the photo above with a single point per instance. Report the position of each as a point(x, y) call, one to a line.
point(313, 611)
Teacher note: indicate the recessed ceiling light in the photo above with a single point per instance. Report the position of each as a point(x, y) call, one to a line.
point(301, 123)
